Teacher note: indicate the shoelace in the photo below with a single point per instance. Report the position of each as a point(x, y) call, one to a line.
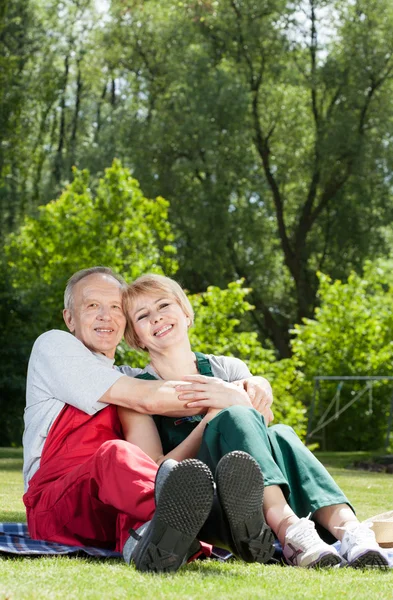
point(306, 532)
point(360, 533)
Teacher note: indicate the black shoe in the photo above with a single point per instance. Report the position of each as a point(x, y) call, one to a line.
point(184, 503)
point(240, 490)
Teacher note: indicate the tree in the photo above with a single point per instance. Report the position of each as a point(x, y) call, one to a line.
point(116, 225)
point(269, 137)
point(49, 63)
point(18, 39)
point(267, 131)
point(113, 225)
point(15, 346)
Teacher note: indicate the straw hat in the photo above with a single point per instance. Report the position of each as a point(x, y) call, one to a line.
point(383, 528)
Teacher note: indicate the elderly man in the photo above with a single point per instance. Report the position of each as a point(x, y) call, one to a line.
point(84, 484)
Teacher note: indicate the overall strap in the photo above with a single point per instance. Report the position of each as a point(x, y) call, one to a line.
point(145, 376)
point(203, 364)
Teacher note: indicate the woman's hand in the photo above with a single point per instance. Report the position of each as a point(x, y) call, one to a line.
point(211, 392)
point(260, 393)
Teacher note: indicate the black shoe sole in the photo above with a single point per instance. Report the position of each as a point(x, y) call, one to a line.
point(326, 562)
point(240, 490)
point(370, 560)
point(183, 507)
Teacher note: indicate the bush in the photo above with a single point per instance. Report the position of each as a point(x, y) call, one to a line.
point(352, 334)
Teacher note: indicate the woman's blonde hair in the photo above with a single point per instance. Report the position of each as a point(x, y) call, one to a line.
point(152, 284)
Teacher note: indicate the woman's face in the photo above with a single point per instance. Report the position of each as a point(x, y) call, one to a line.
point(159, 321)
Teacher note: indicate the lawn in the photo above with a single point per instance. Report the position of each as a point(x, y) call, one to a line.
point(79, 578)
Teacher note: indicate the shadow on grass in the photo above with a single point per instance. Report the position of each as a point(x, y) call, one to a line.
point(15, 516)
point(11, 464)
point(342, 459)
point(55, 557)
point(11, 453)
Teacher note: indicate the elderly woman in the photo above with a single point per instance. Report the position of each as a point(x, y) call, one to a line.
point(233, 439)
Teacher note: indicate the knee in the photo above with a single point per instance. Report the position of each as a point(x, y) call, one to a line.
point(235, 416)
point(116, 449)
point(119, 453)
point(281, 429)
point(283, 432)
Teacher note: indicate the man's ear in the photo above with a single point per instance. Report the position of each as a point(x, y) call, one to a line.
point(68, 319)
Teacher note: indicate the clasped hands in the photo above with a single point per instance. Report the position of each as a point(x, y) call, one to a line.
point(214, 393)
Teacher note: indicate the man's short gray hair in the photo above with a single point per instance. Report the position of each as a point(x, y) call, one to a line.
point(69, 291)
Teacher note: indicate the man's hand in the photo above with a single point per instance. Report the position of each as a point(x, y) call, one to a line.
point(211, 392)
point(260, 393)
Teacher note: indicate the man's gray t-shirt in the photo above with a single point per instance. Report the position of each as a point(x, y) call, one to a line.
point(61, 371)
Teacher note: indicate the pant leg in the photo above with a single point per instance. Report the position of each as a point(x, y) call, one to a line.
point(311, 486)
point(97, 502)
point(241, 428)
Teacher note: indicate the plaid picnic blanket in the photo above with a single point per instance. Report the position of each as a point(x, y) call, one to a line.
point(15, 539)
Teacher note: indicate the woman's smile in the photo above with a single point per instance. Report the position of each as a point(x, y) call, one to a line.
point(163, 330)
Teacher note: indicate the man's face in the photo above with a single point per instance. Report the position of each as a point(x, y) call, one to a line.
point(96, 317)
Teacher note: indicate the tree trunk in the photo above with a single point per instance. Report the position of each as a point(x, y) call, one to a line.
point(58, 166)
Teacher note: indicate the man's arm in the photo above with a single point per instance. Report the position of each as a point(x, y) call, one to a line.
point(162, 397)
point(148, 397)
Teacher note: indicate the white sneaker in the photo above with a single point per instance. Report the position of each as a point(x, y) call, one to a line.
point(359, 547)
point(304, 548)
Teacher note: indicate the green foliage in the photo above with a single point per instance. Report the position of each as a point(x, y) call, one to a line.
point(19, 33)
point(115, 226)
point(218, 313)
point(15, 346)
point(268, 132)
point(352, 334)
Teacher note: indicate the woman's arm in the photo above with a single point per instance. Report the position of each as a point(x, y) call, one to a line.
point(140, 429)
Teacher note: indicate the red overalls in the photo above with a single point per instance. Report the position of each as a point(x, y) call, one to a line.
point(91, 486)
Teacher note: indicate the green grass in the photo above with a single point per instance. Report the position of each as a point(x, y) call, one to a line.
point(82, 578)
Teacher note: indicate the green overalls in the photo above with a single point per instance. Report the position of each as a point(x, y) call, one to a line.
point(283, 458)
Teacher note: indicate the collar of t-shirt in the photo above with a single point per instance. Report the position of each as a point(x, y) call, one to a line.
point(108, 362)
